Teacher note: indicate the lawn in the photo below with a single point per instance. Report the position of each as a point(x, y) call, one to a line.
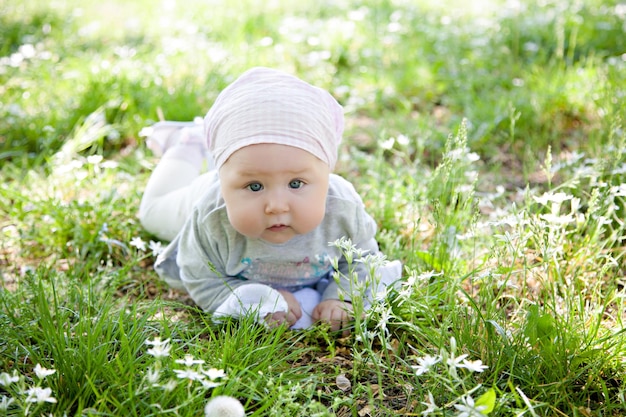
point(486, 138)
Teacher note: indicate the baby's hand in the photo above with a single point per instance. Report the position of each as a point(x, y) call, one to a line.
point(290, 317)
point(335, 312)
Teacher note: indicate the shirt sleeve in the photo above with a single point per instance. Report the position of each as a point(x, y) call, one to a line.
point(252, 299)
point(199, 266)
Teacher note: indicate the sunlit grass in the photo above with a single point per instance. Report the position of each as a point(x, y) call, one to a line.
point(486, 139)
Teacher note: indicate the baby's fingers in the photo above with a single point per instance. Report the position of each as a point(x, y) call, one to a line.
point(336, 317)
point(276, 319)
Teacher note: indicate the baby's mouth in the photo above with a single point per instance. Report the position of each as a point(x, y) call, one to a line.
point(277, 227)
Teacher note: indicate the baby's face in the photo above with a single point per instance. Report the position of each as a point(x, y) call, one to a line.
point(274, 192)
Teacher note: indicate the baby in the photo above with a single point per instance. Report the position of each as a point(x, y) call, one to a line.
point(251, 235)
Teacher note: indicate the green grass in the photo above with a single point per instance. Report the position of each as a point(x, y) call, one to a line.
point(487, 141)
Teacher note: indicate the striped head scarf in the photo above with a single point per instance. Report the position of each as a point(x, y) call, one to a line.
point(264, 105)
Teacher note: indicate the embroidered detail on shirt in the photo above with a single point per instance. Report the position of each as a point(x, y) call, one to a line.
point(287, 274)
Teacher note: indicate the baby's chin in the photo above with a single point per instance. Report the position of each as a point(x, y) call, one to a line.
point(277, 236)
point(278, 239)
point(281, 235)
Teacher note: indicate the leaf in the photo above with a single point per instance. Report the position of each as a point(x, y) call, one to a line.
point(499, 329)
point(343, 383)
point(487, 400)
point(586, 358)
point(545, 326)
point(540, 327)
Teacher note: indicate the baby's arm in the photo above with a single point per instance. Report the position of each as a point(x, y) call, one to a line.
point(234, 297)
point(201, 262)
point(268, 305)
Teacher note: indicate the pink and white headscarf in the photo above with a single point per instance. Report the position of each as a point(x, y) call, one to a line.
point(264, 105)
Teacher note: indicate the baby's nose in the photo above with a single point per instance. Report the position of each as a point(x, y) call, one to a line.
point(276, 203)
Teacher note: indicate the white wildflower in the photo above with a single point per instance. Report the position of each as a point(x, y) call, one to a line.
point(5, 402)
point(468, 408)
point(42, 372)
point(160, 348)
point(572, 158)
point(618, 190)
point(224, 406)
point(431, 407)
point(426, 276)
point(40, 395)
point(157, 342)
point(473, 157)
point(170, 385)
point(209, 384)
point(109, 164)
point(156, 247)
point(474, 366)
point(456, 154)
point(189, 374)
point(552, 198)
point(403, 140)
point(6, 379)
point(214, 373)
point(455, 362)
point(152, 376)
point(189, 361)
point(425, 364)
point(387, 144)
point(385, 315)
point(94, 159)
point(138, 243)
point(366, 335)
point(557, 220)
point(453, 345)
point(412, 280)
point(620, 170)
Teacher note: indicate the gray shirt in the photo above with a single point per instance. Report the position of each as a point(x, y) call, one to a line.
point(209, 259)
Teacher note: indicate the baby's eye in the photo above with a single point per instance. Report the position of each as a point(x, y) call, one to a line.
point(255, 186)
point(295, 184)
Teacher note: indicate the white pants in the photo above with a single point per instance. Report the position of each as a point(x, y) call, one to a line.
point(172, 190)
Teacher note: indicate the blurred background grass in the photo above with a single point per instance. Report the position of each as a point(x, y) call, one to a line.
point(526, 75)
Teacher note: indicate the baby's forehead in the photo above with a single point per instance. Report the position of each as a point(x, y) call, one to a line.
point(273, 159)
point(281, 155)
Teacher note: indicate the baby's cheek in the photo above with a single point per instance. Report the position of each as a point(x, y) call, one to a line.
point(313, 214)
point(242, 221)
